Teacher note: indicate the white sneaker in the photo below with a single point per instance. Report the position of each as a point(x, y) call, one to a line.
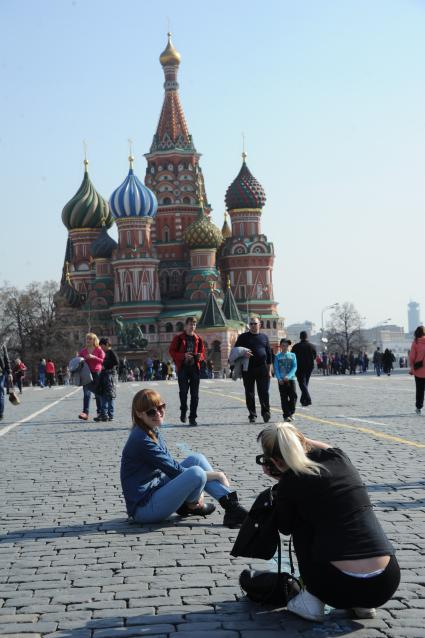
point(307, 606)
point(364, 612)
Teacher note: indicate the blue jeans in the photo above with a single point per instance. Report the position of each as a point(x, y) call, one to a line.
point(41, 379)
point(2, 382)
point(187, 486)
point(87, 392)
point(107, 406)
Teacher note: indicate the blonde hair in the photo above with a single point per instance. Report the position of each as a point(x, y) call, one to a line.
point(142, 401)
point(284, 441)
point(94, 338)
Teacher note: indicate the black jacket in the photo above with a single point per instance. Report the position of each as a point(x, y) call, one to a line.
point(4, 360)
point(306, 355)
point(332, 509)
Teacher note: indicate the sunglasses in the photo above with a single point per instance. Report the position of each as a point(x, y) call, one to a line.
point(254, 323)
point(160, 409)
point(261, 459)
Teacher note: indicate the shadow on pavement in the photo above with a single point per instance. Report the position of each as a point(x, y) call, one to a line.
point(122, 525)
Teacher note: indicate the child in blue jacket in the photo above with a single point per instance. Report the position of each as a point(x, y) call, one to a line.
point(285, 367)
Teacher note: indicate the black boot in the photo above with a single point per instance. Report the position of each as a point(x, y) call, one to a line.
point(234, 512)
point(200, 510)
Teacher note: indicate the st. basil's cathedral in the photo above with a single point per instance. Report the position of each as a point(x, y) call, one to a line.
point(170, 261)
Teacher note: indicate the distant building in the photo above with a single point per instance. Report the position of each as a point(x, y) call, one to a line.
point(413, 316)
point(293, 331)
point(387, 336)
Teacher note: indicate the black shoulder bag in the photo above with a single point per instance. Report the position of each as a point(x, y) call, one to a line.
point(259, 538)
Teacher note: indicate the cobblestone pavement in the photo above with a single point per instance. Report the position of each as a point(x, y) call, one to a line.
point(72, 566)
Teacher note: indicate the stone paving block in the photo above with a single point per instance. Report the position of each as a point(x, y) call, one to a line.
point(75, 633)
point(25, 628)
point(218, 633)
point(144, 630)
point(198, 628)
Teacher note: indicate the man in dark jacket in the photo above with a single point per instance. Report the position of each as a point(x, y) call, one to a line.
point(5, 375)
point(306, 356)
point(259, 369)
point(187, 350)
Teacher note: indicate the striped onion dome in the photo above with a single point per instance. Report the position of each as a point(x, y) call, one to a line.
point(87, 209)
point(133, 198)
point(245, 191)
point(103, 245)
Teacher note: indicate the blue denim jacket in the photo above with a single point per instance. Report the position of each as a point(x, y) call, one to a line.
point(145, 466)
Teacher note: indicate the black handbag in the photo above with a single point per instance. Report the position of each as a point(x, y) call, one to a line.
point(259, 535)
point(259, 538)
point(417, 365)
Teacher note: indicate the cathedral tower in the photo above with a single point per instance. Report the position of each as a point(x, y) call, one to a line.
point(173, 173)
point(247, 256)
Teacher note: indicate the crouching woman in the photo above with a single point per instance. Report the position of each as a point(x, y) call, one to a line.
point(155, 485)
point(344, 558)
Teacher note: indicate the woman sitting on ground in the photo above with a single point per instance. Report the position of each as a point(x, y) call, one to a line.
point(344, 558)
point(155, 485)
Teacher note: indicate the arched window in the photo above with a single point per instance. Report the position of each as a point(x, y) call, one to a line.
point(166, 234)
point(151, 329)
point(274, 325)
point(168, 327)
point(186, 200)
point(179, 326)
point(164, 283)
point(166, 201)
point(268, 325)
point(175, 278)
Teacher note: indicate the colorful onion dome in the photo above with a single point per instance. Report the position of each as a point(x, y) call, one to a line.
point(133, 198)
point(71, 296)
point(103, 246)
point(87, 209)
point(245, 191)
point(170, 55)
point(226, 231)
point(202, 233)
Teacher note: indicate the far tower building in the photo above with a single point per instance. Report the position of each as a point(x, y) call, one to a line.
point(413, 316)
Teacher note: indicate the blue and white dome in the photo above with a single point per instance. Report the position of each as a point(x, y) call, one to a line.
point(133, 198)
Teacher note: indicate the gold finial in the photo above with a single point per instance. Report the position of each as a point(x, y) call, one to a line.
point(86, 163)
point(228, 281)
point(244, 153)
point(130, 152)
point(170, 56)
point(212, 286)
point(67, 275)
point(200, 192)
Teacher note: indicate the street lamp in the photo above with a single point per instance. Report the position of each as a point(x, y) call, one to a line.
point(334, 305)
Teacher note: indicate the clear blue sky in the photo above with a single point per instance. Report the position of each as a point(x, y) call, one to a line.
point(330, 95)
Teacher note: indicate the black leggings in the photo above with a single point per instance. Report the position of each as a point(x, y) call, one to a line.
point(341, 591)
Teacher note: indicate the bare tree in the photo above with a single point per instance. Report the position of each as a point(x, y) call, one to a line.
point(31, 325)
point(344, 331)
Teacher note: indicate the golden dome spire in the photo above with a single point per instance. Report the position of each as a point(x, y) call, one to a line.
point(170, 56)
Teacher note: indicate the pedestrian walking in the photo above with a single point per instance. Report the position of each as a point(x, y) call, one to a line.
point(5, 375)
point(19, 374)
point(387, 361)
point(417, 366)
point(259, 369)
point(41, 369)
point(285, 367)
point(187, 351)
point(344, 557)
point(50, 373)
point(306, 355)
point(377, 361)
point(155, 485)
point(107, 386)
point(93, 355)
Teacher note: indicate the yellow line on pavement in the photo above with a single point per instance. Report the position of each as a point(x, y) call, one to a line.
point(377, 433)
